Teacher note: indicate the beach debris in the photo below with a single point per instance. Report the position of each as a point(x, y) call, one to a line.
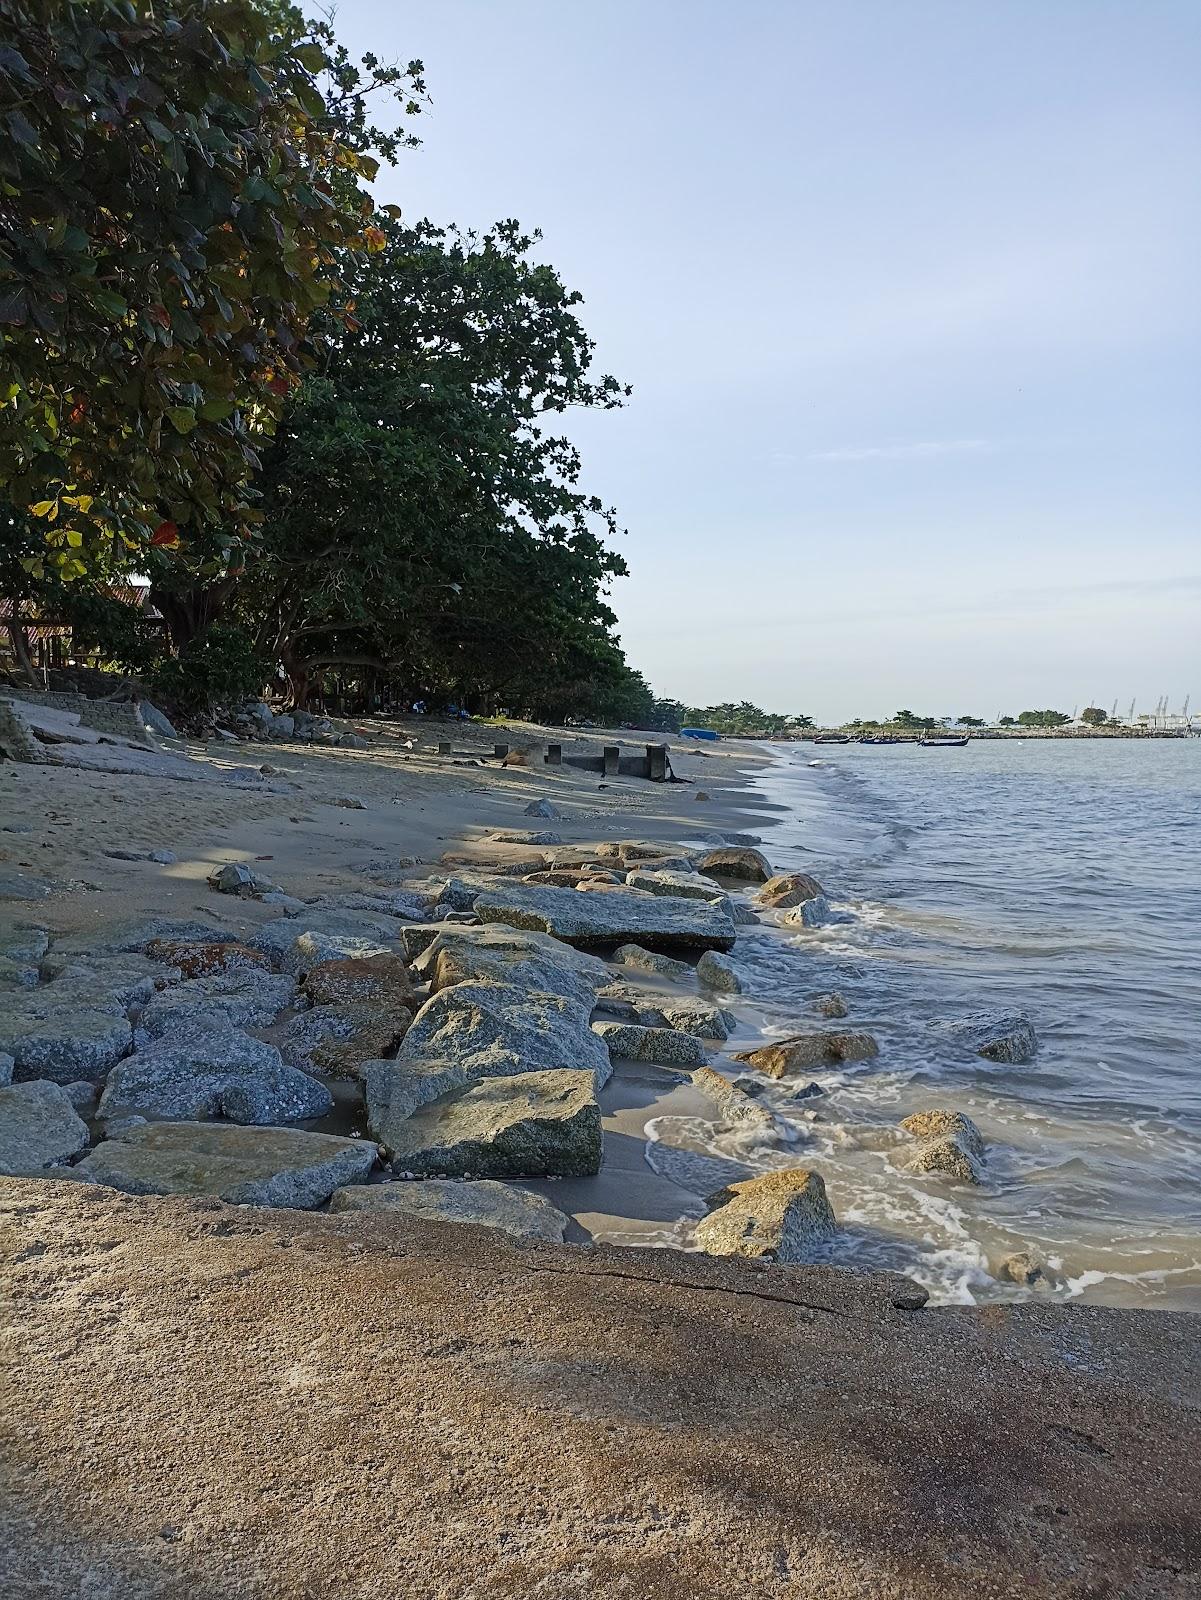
point(658, 922)
point(633, 955)
point(781, 1216)
point(737, 861)
point(484, 1202)
point(243, 1165)
point(664, 1047)
point(830, 1005)
point(817, 1048)
point(531, 1125)
point(995, 1035)
point(350, 802)
point(787, 889)
point(717, 972)
point(498, 1029)
point(542, 808)
point(700, 795)
point(39, 1127)
point(217, 1073)
point(952, 1145)
point(235, 877)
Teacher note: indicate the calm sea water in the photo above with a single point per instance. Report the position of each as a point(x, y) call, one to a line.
point(1059, 878)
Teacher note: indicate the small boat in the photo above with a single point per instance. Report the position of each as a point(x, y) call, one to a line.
point(832, 738)
point(698, 733)
point(881, 739)
point(949, 743)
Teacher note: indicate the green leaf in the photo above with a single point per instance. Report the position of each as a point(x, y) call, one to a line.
point(216, 410)
point(183, 418)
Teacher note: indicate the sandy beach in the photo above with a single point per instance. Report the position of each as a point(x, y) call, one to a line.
point(234, 1401)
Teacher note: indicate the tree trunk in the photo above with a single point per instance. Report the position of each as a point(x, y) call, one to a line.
point(189, 613)
point(21, 650)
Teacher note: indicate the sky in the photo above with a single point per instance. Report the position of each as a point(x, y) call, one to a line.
point(907, 291)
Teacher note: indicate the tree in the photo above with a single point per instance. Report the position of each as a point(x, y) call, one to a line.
point(176, 188)
point(1043, 719)
point(1094, 716)
point(970, 722)
point(1008, 722)
point(907, 719)
point(420, 519)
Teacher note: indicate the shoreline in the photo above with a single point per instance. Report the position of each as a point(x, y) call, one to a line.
point(540, 1418)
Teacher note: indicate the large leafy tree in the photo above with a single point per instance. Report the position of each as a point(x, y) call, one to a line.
point(177, 181)
point(423, 517)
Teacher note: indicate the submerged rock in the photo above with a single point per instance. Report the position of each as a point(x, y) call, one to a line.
point(1024, 1268)
point(497, 1029)
point(830, 1005)
point(733, 1101)
point(717, 972)
point(218, 1074)
point(737, 861)
point(246, 1166)
point(660, 922)
point(686, 885)
point(783, 1216)
point(939, 1124)
point(952, 1145)
point(661, 1046)
point(820, 1047)
point(996, 1035)
point(492, 1204)
point(531, 1125)
point(39, 1128)
point(788, 889)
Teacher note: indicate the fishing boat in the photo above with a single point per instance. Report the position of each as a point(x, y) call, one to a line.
point(950, 742)
point(833, 738)
point(885, 738)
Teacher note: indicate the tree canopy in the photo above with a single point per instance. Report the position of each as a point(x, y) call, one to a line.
point(1094, 716)
point(177, 189)
point(1043, 719)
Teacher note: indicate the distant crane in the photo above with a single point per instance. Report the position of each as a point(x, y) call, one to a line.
point(1113, 715)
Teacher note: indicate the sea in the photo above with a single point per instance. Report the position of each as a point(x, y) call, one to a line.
point(1060, 878)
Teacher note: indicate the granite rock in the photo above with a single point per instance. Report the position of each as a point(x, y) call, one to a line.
point(484, 1202)
point(39, 1127)
point(658, 922)
point(219, 1074)
point(783, 1216)
point(662, 1046)
point(496, 1029)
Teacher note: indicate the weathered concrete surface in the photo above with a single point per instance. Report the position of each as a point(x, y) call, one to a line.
point(227, 1404)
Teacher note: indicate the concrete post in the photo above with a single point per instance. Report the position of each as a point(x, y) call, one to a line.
point(500, 751)
point(554, 755)
point(445, 747)
point(612, 760)
point(656, 762)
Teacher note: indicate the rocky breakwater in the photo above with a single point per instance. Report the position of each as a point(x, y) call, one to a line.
point(466, 1021)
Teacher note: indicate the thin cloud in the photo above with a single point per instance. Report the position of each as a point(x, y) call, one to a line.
point(925, 451)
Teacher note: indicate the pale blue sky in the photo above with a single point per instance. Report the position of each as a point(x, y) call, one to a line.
point(907, 291)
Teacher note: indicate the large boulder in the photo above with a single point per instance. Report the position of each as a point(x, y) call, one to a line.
point(951, 1145)
point(341, 1039)
point(818, 1048)
point(787, 889)
point(684, 885)
point(245, 997)
point(494, 1205)
point(39, 1127)
point(500, 954)
point(106, 981)
point(622, 1002)
point(380, 980)
point(633, 955)
point(394, 1090)
point(718, 973)
point(207, 959)
point(996, 1035)
point(212, 1074)
point(663, 1047)
point(246, 1166)
point(54, 1032)
point(496, 1029)
point(658, 922)
point(783, 1216)
point(294, 944)
point(736, 861)
point(532, 1125)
